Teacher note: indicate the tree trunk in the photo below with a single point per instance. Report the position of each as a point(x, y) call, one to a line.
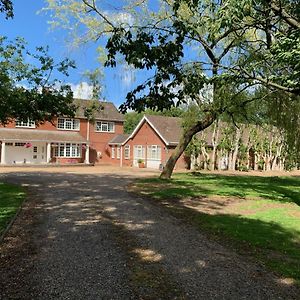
point(256, 159)
point(215, 143)
point(275, 164)
point(206, 158)
point(183, 142)
point(236, 149)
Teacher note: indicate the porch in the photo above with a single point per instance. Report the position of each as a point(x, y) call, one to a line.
point(25, 146)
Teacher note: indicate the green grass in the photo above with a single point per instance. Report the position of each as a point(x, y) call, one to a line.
point(11, 197)
point(265, 222)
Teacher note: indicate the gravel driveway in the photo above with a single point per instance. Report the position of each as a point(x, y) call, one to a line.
point(85, 237)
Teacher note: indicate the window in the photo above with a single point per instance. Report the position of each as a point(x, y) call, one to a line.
point(28, 123)
point(127, 152)
point(9, 144)
point(105, 126)
point(19, 144)
point(35, 149)
point(68, 124)
point(154, 152)
point(67, 150)
point(139, 152)
point(118, 152)
point(113, 152)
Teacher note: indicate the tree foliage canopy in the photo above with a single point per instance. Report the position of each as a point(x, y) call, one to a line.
point(27, 90)
point(6, 7)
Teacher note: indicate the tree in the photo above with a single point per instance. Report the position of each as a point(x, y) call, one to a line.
point(6, 7)
point(133, 118)
point(27, 90)
point(208, 52)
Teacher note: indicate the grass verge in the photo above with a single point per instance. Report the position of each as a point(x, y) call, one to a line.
point(11, 197)
point(258, 216)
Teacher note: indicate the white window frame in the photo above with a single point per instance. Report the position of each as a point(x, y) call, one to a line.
point(25, 124)
point(127, 152)
point(68, 150)
point(139, 152)
point(102, 126)
point(68, 124)
point(154, 152)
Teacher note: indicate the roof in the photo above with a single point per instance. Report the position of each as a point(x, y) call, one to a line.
point(119, 139)
point(105, 110)
point(168, 128)
point(29, 135)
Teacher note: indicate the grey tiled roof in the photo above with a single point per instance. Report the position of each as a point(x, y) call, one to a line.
point(105, 111)
point(168, 127)
point(30, 135)
point(119, 139)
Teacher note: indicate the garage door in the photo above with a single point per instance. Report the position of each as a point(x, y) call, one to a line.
point(18, 153)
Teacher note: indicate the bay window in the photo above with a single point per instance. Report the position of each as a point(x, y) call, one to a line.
point(68, 150)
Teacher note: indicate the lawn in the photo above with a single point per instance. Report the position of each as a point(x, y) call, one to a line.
point(11, 197)
point(258, 216)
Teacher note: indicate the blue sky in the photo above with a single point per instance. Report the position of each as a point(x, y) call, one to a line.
point(35, 29)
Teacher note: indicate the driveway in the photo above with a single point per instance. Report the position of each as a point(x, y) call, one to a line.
point(82, 236)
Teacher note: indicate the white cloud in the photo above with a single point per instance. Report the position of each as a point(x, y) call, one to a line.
point(82, 90)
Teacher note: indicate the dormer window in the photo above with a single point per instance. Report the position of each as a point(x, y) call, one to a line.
point(26, 124)
point(68, 124)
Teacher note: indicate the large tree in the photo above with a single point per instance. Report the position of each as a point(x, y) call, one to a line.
point(27, 87)
point(208, 52)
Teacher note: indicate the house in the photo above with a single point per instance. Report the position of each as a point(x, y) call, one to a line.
point(65, 140)
point(153, 141)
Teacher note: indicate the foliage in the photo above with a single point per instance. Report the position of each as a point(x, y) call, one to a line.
point(27, 90)
point(11, 199)
point(6, 6)
point(133, 118)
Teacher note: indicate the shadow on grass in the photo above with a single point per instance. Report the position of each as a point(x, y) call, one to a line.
point(270, 243)
point(284, 189)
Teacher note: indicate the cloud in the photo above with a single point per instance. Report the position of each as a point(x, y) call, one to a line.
point(82, 90)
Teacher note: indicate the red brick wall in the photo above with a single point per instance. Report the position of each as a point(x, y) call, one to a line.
point(99, 143)
point(98, 140)
point(147, 136)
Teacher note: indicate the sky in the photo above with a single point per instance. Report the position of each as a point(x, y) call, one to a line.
point(34, 28)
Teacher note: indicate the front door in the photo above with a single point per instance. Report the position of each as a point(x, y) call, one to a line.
point(38, 153)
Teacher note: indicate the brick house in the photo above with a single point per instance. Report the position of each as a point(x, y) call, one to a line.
point(152, 141)
point(65, 140)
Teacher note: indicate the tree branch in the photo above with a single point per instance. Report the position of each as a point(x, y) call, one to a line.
point(279, 11)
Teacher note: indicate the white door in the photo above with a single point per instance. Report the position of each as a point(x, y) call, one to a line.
point(153, 156)
point(39, 153)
